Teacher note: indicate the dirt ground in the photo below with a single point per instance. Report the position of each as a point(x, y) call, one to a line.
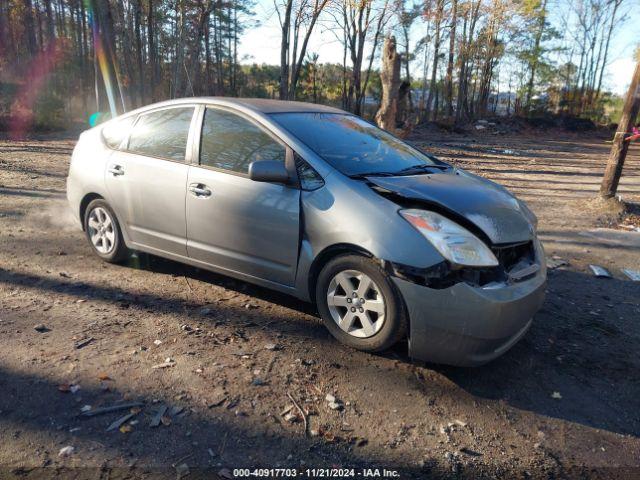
point(564, 402)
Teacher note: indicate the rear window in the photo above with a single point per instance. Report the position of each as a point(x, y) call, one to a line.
point(162, 133)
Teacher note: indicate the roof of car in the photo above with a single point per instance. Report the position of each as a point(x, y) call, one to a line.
point(262, 105)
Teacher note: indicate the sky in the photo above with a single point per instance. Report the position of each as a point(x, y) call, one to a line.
point(262, 44)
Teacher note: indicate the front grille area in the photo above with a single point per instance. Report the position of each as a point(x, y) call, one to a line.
point(517, 263)
point(514, 254)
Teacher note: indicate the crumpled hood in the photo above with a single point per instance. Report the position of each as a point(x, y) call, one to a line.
point(487, 205)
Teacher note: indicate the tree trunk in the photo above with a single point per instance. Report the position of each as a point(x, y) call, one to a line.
point(436, 56)
point(536, 54)
point(452, 44)
point(613, 172)
point(152, 51)
point(387, 115)
point(285, 27)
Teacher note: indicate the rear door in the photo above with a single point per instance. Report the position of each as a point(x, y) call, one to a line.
point(147, 180)
point(234, 223)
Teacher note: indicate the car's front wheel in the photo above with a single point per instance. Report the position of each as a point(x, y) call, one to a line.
point(103, 232)
point(359, 303)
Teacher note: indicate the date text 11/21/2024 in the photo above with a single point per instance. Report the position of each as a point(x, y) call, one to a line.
point(316, 473)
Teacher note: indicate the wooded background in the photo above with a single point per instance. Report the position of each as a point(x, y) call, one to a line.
point(64, 60)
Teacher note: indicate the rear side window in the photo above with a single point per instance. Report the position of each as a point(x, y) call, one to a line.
point(231, 142)
point(117, 131)
point(162, 133)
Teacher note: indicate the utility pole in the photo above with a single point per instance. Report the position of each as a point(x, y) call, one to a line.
point(620, 146)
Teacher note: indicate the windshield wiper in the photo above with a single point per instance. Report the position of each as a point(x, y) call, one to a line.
point(421, 167)
point(372, 174)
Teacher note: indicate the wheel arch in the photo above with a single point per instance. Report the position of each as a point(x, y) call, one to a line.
point(328, 254)
point(84, 203)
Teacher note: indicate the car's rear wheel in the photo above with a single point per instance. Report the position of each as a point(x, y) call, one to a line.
point(359, 303)
point(103, 232)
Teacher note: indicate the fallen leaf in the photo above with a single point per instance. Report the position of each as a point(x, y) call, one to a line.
point(125, 428)
point(166, 421)
point(556, 395)
point(64, 387)
point(104, 377)
point(135, 410)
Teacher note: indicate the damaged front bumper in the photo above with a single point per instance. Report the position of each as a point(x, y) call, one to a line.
point(467, 325)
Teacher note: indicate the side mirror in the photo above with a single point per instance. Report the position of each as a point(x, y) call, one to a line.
point(268, 171)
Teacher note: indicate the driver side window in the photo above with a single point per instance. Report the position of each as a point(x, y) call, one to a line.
point(231, 142)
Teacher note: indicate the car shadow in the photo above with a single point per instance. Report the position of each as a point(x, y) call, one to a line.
point(585, 332)
point(582, 346)
point(578, 362)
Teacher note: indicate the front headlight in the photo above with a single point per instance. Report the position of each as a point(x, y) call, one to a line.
point(455, 243)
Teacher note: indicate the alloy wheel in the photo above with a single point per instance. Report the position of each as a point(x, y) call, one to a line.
point(101, 230)
point(356, 303)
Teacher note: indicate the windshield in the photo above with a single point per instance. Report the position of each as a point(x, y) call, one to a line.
point(351, 145)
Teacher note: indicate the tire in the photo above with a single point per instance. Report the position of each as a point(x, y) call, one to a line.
point(371, 333)
point(110, 247)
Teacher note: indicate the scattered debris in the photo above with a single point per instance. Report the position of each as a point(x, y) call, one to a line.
point(85, 408)
point(167, 363)
point(120, 421)
point(113, 408)
point(468, 451)
point(556, 395)
point(599, 271)
point(66, 451)
point(556, 262)
point(176, 410)
point(157, 342)
point(225, 473)
point(632, 274)
point(83, 343)
point(304, 415)
point(334, 403)
point(290, 417)
point(68, 387)
point(272, 347)
point(157, 418)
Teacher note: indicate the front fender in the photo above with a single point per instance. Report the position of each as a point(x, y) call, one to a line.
point(349, 212)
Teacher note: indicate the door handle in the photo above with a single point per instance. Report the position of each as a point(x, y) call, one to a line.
point(199, 190)
point(116, 170)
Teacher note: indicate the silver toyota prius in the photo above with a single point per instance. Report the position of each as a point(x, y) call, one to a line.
point(389, 242)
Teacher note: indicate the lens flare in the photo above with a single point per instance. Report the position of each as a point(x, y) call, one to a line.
point(36, 78)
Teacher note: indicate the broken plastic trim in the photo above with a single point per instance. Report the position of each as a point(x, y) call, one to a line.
point(517, 263)
point(443, 275)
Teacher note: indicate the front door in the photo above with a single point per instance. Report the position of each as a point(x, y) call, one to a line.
point(234, 223)
point(147, 180)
